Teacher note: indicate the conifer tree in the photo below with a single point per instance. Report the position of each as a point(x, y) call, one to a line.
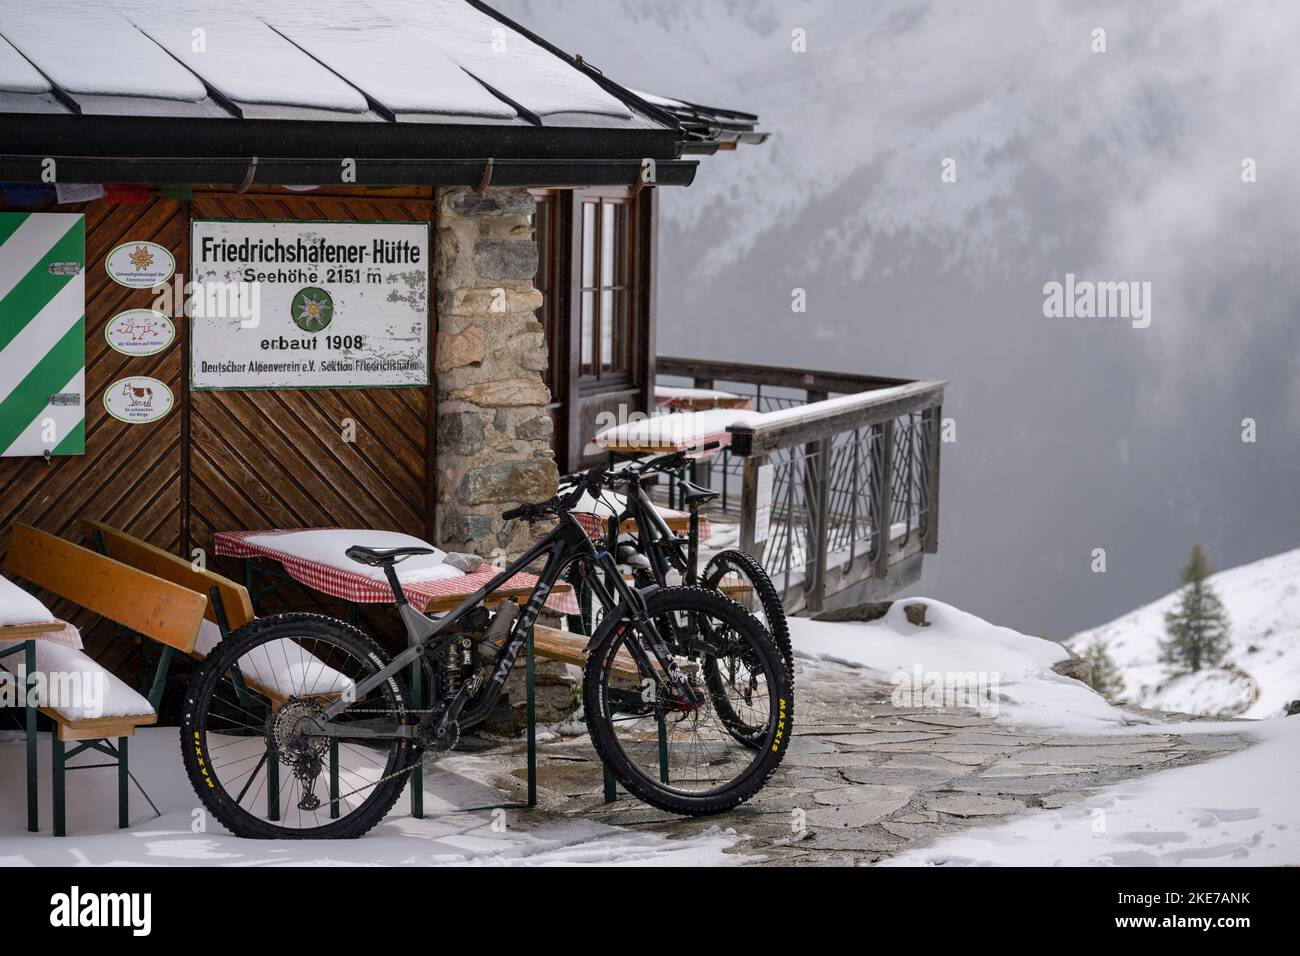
point(1105, 676)
point(1198, 626)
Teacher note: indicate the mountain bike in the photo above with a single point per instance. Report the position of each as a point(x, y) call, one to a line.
point(313, 700)
point(651, 551)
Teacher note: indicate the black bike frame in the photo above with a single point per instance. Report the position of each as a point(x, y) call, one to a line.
point(657, 541)
point(566, 544)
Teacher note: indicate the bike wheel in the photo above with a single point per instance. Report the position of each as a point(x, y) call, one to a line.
point(241, 734)
point(674, 755)
point(741, 578)
point(737, 575)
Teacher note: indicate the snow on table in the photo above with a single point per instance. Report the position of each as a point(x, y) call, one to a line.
point(684, 431)
point(675, 396)
point(315, 557)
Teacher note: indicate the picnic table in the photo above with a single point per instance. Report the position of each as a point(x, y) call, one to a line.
point(682, 398)
point(51, 648)
point(314, 557)
point(23, 621)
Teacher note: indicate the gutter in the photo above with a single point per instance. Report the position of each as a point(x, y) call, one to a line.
point(272, 171)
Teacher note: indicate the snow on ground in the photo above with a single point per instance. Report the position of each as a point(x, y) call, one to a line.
point(443, 837)
point(1263, 604)
point(959, 650)
point(1239, 810)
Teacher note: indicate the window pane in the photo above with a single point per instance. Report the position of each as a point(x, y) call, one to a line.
point(621, 318)
point(623, 250)
point(608, 325)
point(588, 244)
point(588, 331)
point(608, 237)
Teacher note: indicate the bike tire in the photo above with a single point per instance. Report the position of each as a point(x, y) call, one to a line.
point(765, 759)
point(200, 696)
point(768, 596)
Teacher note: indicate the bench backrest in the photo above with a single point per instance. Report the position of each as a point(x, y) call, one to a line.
point(171, 567)
point(161, 610)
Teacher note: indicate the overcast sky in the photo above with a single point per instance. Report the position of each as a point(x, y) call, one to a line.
point(1123, 165)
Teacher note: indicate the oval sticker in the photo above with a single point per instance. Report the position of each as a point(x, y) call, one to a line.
point(140, 265)
point(139, 332)
point(138, 400)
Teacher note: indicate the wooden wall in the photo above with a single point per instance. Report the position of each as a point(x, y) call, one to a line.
point(276, 459)
point(233, 459)
point(130, 475)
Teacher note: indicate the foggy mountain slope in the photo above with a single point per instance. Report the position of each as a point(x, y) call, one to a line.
point(1262, 600)
point(1074, 434)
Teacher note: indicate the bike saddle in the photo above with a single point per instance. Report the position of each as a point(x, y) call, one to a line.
point(693, 494)
point(378, 557)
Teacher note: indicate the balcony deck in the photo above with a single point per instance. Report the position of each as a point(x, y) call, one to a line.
point(812, 486)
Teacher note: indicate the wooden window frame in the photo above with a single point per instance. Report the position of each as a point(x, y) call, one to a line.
point(570, 388)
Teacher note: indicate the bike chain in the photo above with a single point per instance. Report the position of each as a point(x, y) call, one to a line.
point(387, 777)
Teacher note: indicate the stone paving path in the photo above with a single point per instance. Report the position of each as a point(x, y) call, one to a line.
point(863, 779)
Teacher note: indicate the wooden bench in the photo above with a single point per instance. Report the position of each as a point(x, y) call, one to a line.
point(229, 606)
point(147, 604)
point(569, 648)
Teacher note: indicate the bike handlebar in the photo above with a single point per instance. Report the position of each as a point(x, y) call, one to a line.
point(593, 480)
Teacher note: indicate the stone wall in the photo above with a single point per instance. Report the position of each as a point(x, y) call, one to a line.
point(493, 436)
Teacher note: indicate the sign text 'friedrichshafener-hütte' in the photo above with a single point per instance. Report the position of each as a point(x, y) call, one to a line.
point(309, 304)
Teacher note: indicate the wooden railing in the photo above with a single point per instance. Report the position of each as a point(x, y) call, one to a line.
point(839, 486)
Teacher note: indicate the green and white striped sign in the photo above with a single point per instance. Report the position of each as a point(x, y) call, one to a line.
point(42, 334)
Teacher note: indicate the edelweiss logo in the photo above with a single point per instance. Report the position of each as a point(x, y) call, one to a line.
point(75, 909)
point(141, 258)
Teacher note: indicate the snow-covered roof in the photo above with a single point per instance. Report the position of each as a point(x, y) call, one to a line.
point(407, 59)
point(401, 92)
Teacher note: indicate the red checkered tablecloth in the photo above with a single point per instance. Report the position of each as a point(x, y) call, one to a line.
point(361, 588)
point(596, 525)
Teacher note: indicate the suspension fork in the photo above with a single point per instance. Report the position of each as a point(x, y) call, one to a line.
point(648, 636)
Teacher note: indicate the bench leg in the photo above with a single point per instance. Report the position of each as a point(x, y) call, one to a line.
point(30, 661)
point(123, 782)
point(272, 785)
point(60, 771)
point(417, 775)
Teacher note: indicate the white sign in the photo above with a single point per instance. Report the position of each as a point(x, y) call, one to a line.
point(763, 507)
point(137, 401)
point(140, 265)
point(296, 304)
point(139, 332)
